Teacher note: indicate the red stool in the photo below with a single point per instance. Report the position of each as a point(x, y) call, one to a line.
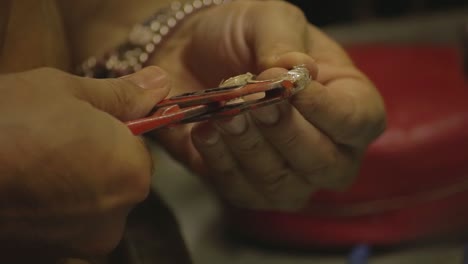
point(414, 180)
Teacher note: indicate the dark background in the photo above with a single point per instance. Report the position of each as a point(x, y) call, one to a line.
point(341, 11)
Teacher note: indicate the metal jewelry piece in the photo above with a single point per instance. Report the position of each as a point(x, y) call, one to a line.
point(142, 41)
point(223, 101)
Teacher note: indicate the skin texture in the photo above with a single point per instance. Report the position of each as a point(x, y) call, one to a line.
point(71, 170)
point(273, 158)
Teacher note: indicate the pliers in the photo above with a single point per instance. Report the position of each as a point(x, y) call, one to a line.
point(222, 101)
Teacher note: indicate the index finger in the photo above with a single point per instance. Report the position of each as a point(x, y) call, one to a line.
point(342, 101)
point(278, 35)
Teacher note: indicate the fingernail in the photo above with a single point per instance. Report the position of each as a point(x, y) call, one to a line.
point(234, 126)
point(151, 77)
point(206, 134)
point(268, 115)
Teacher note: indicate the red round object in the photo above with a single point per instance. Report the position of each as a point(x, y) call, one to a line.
point(414, 179)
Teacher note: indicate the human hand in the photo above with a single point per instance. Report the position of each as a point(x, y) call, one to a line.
point(70, 170)
point(275, 157)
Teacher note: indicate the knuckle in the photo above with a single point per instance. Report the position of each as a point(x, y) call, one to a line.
point(330, 158)
point(249, 144)
point(120, 92)
point(136, 181)
point(363, 128)
point(327, 161)
point(290, 140)
point(363, 123)
point(271, 184)
point(122, 95)
point(318, 174)
point(311, 104)
point(289, 9)
point(352, 125)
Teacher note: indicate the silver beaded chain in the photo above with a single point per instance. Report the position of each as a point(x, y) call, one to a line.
point(142, 42)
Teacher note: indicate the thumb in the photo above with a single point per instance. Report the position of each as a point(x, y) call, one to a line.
point(129, 97)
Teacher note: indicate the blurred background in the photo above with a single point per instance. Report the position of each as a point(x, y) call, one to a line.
point(324, 13)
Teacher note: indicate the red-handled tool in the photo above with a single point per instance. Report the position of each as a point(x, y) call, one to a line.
point(222, 101)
